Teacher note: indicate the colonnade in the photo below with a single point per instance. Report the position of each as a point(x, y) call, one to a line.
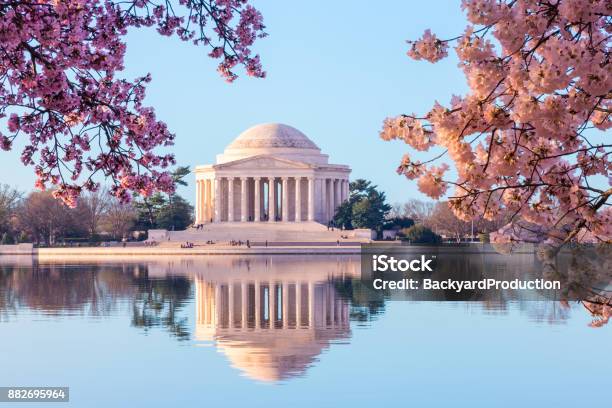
point(269, 305)
point(273, 199)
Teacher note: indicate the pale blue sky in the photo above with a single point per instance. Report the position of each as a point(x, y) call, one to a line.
point(336, 69)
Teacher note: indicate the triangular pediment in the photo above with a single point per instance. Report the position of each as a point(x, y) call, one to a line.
point(263, 162)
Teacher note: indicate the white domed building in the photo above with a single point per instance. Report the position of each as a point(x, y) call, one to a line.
point(270, 173)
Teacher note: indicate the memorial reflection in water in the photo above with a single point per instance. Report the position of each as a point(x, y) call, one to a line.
point(273, 317)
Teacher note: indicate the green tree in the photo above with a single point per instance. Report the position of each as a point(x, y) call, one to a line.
point(147, 209)
point(179, 210)
point(168, 212)
point(420, 234)
point(6, 239)
point(365, 208)
point(399, 222)
point(22, 237)
point(179, 174)
point(344, 215)
point(177, 214)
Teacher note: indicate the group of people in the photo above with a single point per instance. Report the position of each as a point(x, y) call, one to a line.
point(240, 243)
point(187, 245)
point(150, 243)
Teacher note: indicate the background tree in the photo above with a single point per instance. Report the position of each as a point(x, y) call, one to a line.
point(92, 206)
point(59, 90)
point(527, 138)
point(46, 219)
point(6, 239)
point(365, 208)
point(397, 210)
point(398, 223)
point(418, 210)
point(443, 221)
point(119, 219)
point(10, 199)
point(420, 234)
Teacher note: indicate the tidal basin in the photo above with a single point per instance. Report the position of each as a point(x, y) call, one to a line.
point(279, 330)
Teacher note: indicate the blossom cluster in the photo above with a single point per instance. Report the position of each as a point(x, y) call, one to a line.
point(528, 139)
point(429, 48)
point(59, 86)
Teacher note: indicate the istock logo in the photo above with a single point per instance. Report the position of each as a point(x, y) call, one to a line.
point(384, 263)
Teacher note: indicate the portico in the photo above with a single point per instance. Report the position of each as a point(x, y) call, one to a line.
point(270, 173)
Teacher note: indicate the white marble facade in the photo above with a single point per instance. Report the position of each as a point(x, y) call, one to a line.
point(270, 173)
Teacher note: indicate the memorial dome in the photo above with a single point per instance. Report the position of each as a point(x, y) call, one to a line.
point(272, 135)
point(275, 139)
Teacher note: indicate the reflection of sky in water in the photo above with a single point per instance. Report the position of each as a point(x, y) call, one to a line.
point(409, 353)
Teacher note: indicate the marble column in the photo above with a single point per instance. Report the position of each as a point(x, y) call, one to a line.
point(271, 200)
point(257, 201)
point(332, 308)
point(337, 194)
point(285, 302)
point(347, 190)
point(272, 303)
point(217, 313)
point(257, 305)
point(243, 304)
point(201, 201)
point(298, 304)
point(230, 199)
point(230, 304)
point(208, 212)
point(217, 199)
point(243, 199)
point(311, 199)
point(329, 184)
point(324, 206)
point(204, 212)
point(206, 200)
point(311, 305)
point(285, 204)
point(198, 208)
point(298, 199)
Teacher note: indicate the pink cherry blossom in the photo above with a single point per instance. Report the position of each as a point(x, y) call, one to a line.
point(59, 87)
point(429, 48)
point(432, 182)
point(527, 138)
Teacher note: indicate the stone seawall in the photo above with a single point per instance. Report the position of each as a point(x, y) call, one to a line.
point(18, 249)
point(212, 250)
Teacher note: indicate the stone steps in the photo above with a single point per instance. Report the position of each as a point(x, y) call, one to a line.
point(271, 232)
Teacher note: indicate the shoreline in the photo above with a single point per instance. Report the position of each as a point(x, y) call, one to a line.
point(304, 248)
point(163, 251)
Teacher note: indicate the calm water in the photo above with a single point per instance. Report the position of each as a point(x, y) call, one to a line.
point(284, 331)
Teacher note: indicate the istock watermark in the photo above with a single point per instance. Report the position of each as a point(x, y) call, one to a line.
point(384, 263)
point(465, 272)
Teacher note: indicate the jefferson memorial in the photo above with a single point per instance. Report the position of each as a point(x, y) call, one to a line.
point(270, 173)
